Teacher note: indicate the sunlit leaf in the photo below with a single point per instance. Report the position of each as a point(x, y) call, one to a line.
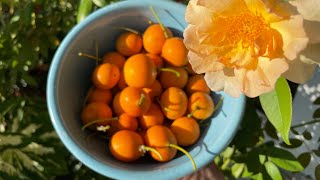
point(84, 9)
point(100, 3)
point(237, 169)
point(283, 159)
point(273, 170)
point(277, 105)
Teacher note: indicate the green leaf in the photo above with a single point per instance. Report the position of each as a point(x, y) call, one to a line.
point(273, 170)
point(317, 172)
point(29, 80)
point(304, 159)
point(277, 105)
point(316, 152)
point(99, 3)
point(84, 9)
point(237, 169)
point(257, 176)
point(307, 135)
point(316, 113)
point(283, 159)
point(294, 143)
point(262, 158)
point(317, 101)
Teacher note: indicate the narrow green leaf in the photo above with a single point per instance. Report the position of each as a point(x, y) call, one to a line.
point(283, 159)
point(317, 172)
point(99, 3)
point(29, 80)
point(262, 158)
point(237, 169)
point(277, 105)
point(316, 113)
point(273, 170)
point(304, 159)
point(84, 9)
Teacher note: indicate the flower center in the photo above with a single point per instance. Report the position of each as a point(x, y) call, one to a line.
point(245, 28)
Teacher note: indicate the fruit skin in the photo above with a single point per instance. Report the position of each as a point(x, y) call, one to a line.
point(96, 111)
point(114, 58)
point(174, 52)
point(153, 38)
point(156, 59)
point(170, 79)
point(99, 95)
point(117, 109)
point(203, 102)
point(174, 102)
point(160, 137)
point(129, 101)
point(129, 43)
point(155, 90)
point(125, 145)
point(106, 76)
point(186, 130)
point(197, 83)
point(139, 71)
point(151, 118)
point(127, 122)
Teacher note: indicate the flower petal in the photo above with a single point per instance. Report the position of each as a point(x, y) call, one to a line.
point(224, 7)
point(194, 11)
point(312, 29)
point(294, 37)
point(302, 68)
point(204, 64)
point(264, 78)
point(309, 9)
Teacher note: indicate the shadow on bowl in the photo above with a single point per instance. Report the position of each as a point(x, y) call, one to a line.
point(70, 78)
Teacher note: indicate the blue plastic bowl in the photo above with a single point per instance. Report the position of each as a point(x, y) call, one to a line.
point(70, 77)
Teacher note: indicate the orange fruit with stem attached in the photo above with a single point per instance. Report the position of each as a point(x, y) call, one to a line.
point(170, 79)
point(128, 146)
point(114, 58)
point(200, 105)
point(139, 71)
point(96, 111)
point(153, 38)
point(186, 130)
point(134, 101)
point(99, 95)
point(174, 102)
point(106, 76)
point(151, 118)
point(175, 52)
point(196, 83)
point(129, 43)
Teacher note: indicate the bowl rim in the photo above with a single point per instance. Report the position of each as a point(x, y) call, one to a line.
point(81, 154)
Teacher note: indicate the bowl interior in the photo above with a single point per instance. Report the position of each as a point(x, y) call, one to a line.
point(70, 78)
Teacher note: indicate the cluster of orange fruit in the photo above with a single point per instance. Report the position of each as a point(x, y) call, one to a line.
point(146, 97)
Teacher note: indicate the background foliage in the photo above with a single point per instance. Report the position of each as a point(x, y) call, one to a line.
point(30, 32)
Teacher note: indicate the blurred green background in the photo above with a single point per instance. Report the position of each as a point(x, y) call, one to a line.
point(30, 32)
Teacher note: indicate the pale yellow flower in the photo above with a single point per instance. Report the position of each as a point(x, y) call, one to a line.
point(244, 46)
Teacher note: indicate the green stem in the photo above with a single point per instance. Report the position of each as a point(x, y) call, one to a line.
point(142, 97)
point(159, 21)
point(306, 123)
point(164, 108)
point(186, 153)
point(127, 29)
point(219, 103)
point(96, 121)
point(89, 56)
point(146, 148)
point(191, 113)
point(170, 70)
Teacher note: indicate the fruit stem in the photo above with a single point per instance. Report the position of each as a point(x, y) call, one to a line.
point(96, 121)
point(164, 108)
point(89, 56)
point(191, 113)
point(186, 153)
point(219, 103)
point(127, 29)
point(146, 148)
point(170, 70)
point(159, 21)
point(142, 97)
point(103, 128)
